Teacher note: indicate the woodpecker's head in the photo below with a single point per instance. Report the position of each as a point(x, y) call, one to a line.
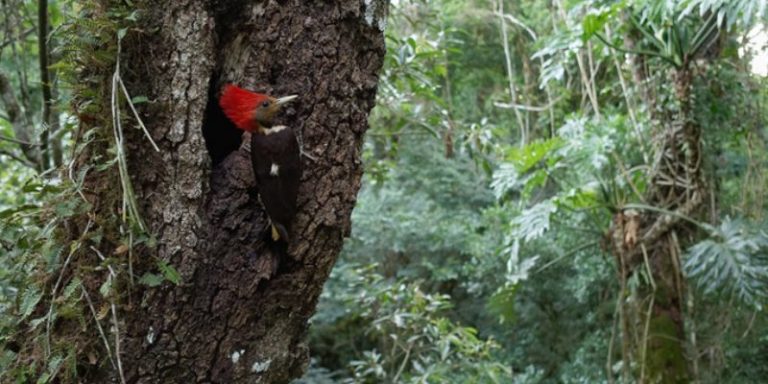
point(248, 110)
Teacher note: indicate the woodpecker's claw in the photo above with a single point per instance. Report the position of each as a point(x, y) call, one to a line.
point(308, 156)
point(246, 144)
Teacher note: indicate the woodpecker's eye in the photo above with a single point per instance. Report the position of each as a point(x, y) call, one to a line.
point(265, 104)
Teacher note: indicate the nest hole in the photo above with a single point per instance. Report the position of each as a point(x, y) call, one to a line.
point(220, 134)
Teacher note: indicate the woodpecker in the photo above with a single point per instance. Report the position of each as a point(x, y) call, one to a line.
point(275, 153)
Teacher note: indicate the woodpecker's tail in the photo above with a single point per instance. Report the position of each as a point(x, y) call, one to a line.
point(277, 241)
point(279, 233)
point(276, 237)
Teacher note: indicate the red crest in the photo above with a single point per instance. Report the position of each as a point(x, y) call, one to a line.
point(240, 106)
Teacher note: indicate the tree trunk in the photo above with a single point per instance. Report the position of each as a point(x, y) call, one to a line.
point(652, 242)
point(240, 311)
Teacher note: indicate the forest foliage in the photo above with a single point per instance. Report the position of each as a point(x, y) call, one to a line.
point(507, 136)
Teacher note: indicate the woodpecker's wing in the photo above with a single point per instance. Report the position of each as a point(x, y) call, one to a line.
point(277, 166)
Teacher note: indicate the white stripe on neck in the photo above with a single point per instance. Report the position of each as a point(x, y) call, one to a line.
point(275, 129)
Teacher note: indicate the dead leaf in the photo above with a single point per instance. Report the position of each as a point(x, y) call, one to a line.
point(631, 227)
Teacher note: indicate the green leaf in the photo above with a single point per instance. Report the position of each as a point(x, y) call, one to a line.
point(534, 221)
point(139, 99)
point(66, 208)
point(71, 287)
point(441, 70)
point(502, 303)
point(106, 287)
point(54, 363)
point(536, 179)
point(29, 301)
point(525, 158)
point(133, 16)
point(44, 378)
point(169, 272)
point(732, 259)
point(31, 187)
point(151, 279)
point(591, 24)
point(11, 211)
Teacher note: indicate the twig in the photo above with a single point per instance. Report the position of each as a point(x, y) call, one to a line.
point(550, 105)
point(136, 114)
point(520, 24)
point(130, 256)
point(526, 107)
point(646, 330)
point(666, 221)
point(570, 253)
point(628, 101)
point(129, 200)
point(112, 276)
point(675, 251)
point(648, 267)
point(307, 155)
point(19, 37)
point(627, 178)
point(71, 174)
point(588, 85)
point(510, 74)
point(17, 158)
point(99, 327)
point(17, 118)
point(751, 323)
point(17, 141)
point(117, 342)
point(403, 364)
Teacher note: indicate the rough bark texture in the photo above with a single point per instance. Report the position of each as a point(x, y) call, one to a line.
point(240, 313)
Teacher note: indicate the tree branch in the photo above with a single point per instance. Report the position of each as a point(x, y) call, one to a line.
point(16, 157)
point(511, 75)
point(21, 36)
point(15, 117)
point(12, 140)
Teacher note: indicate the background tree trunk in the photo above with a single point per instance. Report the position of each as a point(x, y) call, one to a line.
point(240, 311)
point(655, 320)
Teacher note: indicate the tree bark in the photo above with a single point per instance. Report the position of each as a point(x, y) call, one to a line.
point(240, 311)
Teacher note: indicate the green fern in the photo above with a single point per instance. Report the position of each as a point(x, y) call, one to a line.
point(733, 259)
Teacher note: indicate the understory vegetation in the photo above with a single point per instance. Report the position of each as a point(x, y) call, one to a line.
point(507, 137)
point(552, 188)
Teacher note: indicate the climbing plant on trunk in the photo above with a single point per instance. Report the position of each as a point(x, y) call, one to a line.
point(648, 239)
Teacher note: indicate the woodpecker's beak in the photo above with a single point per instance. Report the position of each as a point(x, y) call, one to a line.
point(285, 99)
